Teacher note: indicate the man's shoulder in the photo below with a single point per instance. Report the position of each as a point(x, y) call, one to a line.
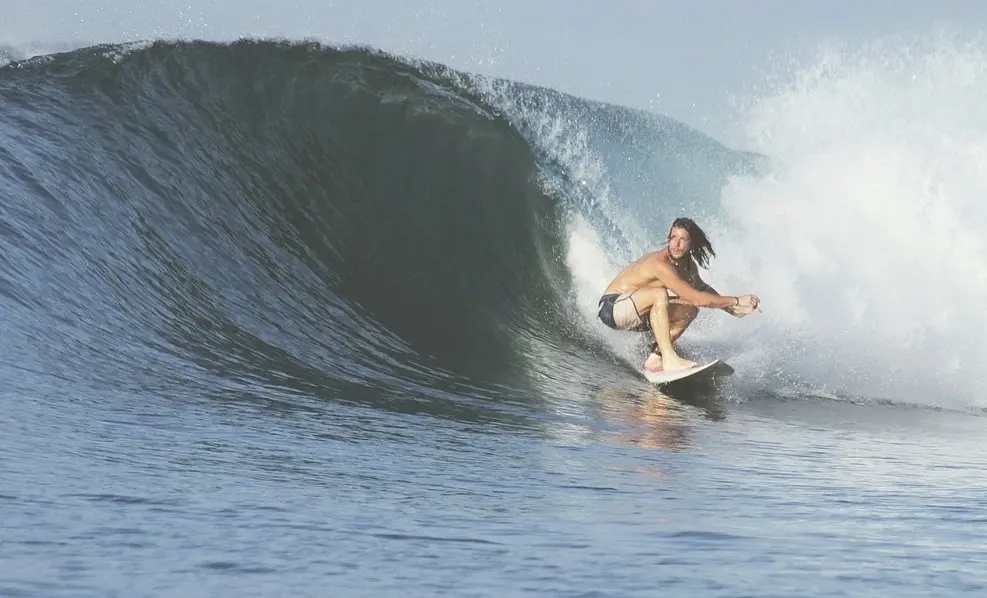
point(658, 255)
point(659, 261)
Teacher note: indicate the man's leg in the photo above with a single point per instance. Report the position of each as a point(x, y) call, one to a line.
point(661, 326)
point(680, 315)
point(640, 309)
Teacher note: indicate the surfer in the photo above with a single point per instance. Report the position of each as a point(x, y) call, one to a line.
point(640, 297)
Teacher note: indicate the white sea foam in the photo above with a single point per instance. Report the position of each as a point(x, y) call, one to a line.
point(865, 240)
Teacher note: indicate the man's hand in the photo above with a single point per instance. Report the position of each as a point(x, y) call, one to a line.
point(746, 306)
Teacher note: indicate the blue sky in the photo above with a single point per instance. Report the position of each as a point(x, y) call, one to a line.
point(677, 57)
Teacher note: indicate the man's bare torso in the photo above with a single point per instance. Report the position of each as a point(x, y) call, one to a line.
point(644, 272)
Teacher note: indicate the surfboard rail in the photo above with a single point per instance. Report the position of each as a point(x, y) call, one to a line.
point(664, 377)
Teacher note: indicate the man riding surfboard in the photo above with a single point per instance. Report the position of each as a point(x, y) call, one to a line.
point(662, 292)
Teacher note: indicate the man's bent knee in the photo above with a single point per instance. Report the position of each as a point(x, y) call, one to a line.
point(659, 296)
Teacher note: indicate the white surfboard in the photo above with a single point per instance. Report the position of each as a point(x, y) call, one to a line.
point(705, 370)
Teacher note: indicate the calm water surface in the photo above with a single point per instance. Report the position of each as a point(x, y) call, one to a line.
point(616, 495)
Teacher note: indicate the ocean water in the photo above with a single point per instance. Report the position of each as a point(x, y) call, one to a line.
point(288, 319)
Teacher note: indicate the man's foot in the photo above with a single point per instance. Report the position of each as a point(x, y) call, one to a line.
point(677, 363)
point(653, 363)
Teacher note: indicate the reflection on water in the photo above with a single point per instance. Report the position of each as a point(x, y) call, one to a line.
point(653, 420)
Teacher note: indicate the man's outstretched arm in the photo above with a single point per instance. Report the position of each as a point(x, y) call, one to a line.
point(703, 286)
point(670, 278)
point(744, 306)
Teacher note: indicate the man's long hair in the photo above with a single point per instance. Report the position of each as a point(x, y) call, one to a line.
point(701, 249)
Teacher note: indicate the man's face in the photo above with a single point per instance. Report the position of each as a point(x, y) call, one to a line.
point(679, 243)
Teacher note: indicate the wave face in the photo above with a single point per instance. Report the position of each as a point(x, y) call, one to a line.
point(291, 216)
point(297, 218)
